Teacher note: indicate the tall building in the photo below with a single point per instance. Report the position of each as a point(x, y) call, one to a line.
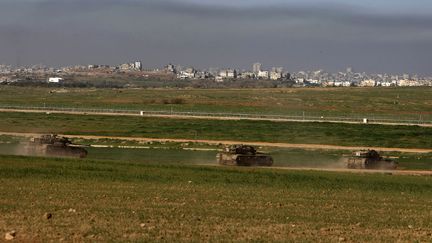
point(256, 68)
point(170, 68)
point(138, 65)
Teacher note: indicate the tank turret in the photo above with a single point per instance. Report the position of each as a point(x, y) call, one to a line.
point(370, 159)
point(241, 149)
point(243, 155)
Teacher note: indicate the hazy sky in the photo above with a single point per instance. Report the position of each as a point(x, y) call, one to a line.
point(369, 35)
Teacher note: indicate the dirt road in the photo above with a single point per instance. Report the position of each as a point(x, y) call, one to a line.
point(388, 172)
point(356, 171)
point(217, 142)
point(71, 111)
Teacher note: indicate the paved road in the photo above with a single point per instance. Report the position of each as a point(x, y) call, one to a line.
point(225, 142)
point(185, 115)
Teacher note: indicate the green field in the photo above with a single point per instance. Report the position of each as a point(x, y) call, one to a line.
point(396, 103)
point(94, 200)
point(167, 192)
point(248, 131)
point(190, 154)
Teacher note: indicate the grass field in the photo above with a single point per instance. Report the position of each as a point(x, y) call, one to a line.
point(396, 103)
point(166, 193)
point(190, 154)
point(262, 131)
point(134, 201)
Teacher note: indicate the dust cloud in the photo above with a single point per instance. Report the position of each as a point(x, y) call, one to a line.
point(19, 149)
point(312, 162)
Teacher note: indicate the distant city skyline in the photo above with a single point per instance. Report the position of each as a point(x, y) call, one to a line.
point(371, 36)
point(348, 78)
point(254, 67)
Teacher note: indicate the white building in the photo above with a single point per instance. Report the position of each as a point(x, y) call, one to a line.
point(247, 75)
point(263, 74)
point(126, 67)
point(219, 79)
point(299, 80)
point(407, 82)
point(231, 73)
point(256, 68)
point(346, 84)
point(171, 68)
point(228, 74)
point(275, 75)
point(138, 65)
point(3, 79)
point(55, 80)
point(328, 84)
point(368, 83)
point(338, 83)
point(385, 84)
point(316, 81)
point(189, 73)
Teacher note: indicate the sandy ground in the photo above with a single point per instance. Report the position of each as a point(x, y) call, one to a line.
point(357, 171)
point(226, 142)
point(192, 116)
point(388, 172)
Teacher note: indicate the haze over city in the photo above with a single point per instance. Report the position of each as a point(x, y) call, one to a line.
point(372, 36)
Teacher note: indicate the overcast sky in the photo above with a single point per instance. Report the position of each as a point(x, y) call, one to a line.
point(369, 35)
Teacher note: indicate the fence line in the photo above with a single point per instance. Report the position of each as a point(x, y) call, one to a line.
point(303, 117)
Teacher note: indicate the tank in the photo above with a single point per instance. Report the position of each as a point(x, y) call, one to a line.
point(53, 145)
point(243, 155)
point(370, 159)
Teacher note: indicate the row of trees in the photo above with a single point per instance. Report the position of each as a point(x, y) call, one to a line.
point(153, 83)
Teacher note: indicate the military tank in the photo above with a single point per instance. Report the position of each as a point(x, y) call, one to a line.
point(370, 159)
point(53, 145)
point(243, 155)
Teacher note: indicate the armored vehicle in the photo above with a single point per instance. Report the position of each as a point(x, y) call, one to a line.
point(243, 155)
point(53, 145)
point(370, 159)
